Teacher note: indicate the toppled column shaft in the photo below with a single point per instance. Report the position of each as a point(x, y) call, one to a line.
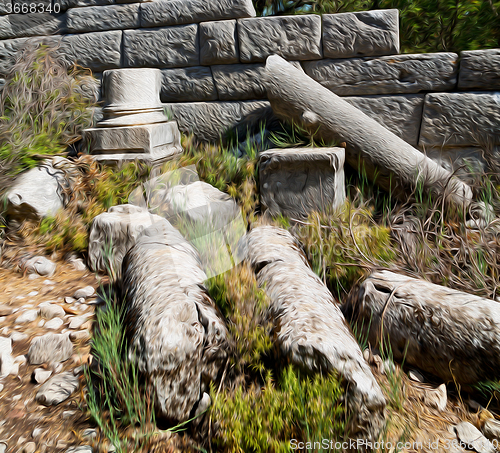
point(310, 328)
point(389, 160)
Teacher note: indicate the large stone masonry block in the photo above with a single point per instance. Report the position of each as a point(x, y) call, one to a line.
point(461, 119)
point(386, 75)
point(97, 51)
point(32, 24)
point(8, 51)
point(401, 114)
point(101, 18)
point(218, 43)
point(479, 69)
point(188, 84)
point(297, 181)
point(166, 47)
point(292, 37)
point(177, 12)
point(208, 121)
point(66, 4)
point(24, 5)
point(240, 81)
point(367, 33)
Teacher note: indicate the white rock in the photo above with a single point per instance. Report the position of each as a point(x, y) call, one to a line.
point(57, 389)
point(37, 432)
point(20, 360)
point(2, 319)
point(27, 316)
point(40, 375)
point(491, 429)
point(33, 294)
point(86, 292)
point(7, 365)
point(416, 376)
point(78, 264)
point(3, 447)
point(50, 347)
point(82, 335)
point(41, 323)
point(77, 321)
point(472, 439)
point(33, 276)
point(81, 449)
point(49, 282)
point(39, 265)
point(29, 447)
point(54, 324)
point(49, 311)
point(69, 300)
point(1, 388)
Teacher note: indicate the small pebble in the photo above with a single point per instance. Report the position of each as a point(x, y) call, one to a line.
point(86, 292)
point(82, 335)
point(30, 447)
point(69, 300)
point(27, 316)
point(54, 323)
point(89, 434)
point(37, 432)
point(18, 336)
point(68, 414)
point(2, 318)
point(3, 447)
point(21, 360)
point(1, 388)
point(33, 276)
point(41, 323)
point(49, 311)
point(48, 282)
point(40, 375)
point(77, 321)
point(33, 294)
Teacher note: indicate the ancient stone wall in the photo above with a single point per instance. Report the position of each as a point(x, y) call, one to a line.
point(212, 56)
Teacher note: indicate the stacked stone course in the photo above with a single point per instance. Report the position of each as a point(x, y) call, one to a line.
point(212, 57)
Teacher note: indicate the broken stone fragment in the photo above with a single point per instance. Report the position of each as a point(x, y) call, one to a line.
point(57, 389)
point(50, 348)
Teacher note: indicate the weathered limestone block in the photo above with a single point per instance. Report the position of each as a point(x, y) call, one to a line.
point(8, 50)
point(297, 181)
point(177, 337)
point(448, 333)
point(167, 47)
point(208, 121)
point(386, 75)
point(36, 194)
point(292, 37)
point(177, 12)
point(397, 165)
point(113, 234)
point(65, 4)
point(17, 5)
point(218, 43)
point(461, 119)
point(240, 82)
point(32, 24)
point(98, 50)
point(50, 348)
point(101, 18)
point(366, 33)
point(134, 125)
point(402, 115)
point(479, 69)
point(5, 7)
point(309, 326)
point(188, 84)
point(57, 389)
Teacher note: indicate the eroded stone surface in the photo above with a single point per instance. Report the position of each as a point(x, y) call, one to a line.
point(187, 84)
point(32, 24)
point(386, 75)
point(240, 81)
point(176, 12)
point(297, 181)
point(218, 43)
point(50, 348)
point(292, 37)
point(57, 389)
point(166, 47)
point(461, 119)
point(101, 18)
point(366, 33)
point(480, 69)
point(400, 114)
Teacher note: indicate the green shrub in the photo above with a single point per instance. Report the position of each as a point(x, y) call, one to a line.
point(267, 419)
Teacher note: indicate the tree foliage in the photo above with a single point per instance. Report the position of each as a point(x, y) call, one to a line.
point(425, 25)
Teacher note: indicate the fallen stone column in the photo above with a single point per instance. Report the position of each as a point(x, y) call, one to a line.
point(395, 163)
point(310, 328)
point(176, 336)
point(448, 333)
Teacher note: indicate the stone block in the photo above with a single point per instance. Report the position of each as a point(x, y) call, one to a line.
point(402, 114)
point(97, 51)
point(386, 75)
point(102, 18)
point(292, 37)
point(461, 119)
point(177, 12)
point(208, 121)
point(32, 24)
point(297, 181)
point(188, 84)
point(24, 5)
point(116, 230)
point(240, 81)
point(66, 4)
point(167, 47)
point(5, 7)
point(366, 33)
point(8, 51)
point(218, 43)
point(152, 143)
point(479, 69)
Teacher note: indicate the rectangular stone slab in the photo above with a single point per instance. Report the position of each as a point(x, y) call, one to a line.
point(188, 84)
point(177, 12)
point(401, 114)
point(101, 18)
point(149, 142)
point(218, 43)
point(167, 47)
point(479, 69)
point(240, 81)
point(461, 119)
point(297, 181)
point(386, 75)
point(292, 37)
point(8, 50)
point(32, 24)
point(366, 33)
point(65, 4)
point(98, 50)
